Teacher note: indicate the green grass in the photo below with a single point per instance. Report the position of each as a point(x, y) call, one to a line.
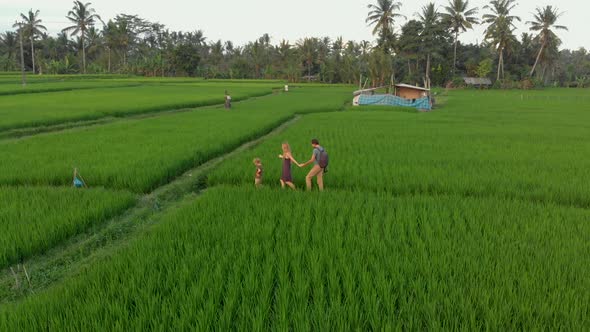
point(10, 89)
point(34, 219)
point(15, 78)
point(541, 153)
point(140, 155)
point(471, 217)
point(53, 108)
point(245, 259)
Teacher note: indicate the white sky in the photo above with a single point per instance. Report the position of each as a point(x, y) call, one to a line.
point(242, 21)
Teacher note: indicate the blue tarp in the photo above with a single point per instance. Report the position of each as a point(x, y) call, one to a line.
point(391, 100)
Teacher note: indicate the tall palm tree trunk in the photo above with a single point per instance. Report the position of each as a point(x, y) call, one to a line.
point(427, 83)
point(83, 58)
point(538, 58)
point(33, 54)
point(500, 60)
point(543, 74)
point(455, 54)
point(83, 52)
point(503, 73)
point(109, 57)
point(22, 58)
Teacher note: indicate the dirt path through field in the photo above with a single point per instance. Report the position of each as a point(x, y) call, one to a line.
point(101, 241)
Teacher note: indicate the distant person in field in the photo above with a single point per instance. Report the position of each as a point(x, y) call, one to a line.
point(258, 175)
point(77, 182)
point(319, 159)
point(227, 100)
point(287, 158)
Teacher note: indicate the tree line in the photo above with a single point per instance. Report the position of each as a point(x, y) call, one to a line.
point(424, 50)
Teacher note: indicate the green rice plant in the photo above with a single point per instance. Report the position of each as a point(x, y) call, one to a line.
point(6, 89)
point(34, 219)
point(53, 108)
point(541, 154)
point(142, 154)
point(16, 78)
point(246, 259)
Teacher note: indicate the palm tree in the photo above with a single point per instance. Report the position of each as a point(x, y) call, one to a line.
point(500, 29)
point(431, 30)
point(459, 19)
point(94, 41)
point(9, 45)
point(31, 26)
point(545, 19)
point(197, 37)
point(83, 17)
point(382, 16)
point(63, 45)
point(365, 47)
point(109, 32)
point(309, 52)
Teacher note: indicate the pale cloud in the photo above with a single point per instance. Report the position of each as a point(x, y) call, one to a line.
point(243, 21)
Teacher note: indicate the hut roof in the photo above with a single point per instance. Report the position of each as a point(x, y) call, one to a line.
point(365, 91)
point(477, 81)
point(407, 86)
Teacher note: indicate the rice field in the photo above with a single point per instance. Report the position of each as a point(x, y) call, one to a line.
point(53, 108)
point(11, 89)
point(139, 155)
point(529, 156)
point(241, 259)
point(34, 219)
point(475, 216)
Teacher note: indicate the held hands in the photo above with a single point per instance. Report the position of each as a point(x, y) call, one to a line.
point(296, 163)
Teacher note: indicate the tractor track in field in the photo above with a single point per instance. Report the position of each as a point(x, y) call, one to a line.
point(99, 242)
point(24, 132)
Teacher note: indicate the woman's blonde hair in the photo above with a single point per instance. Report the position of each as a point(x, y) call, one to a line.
point(256, 161)
point(286, 147)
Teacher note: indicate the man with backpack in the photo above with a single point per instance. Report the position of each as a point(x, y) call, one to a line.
point(319, 158)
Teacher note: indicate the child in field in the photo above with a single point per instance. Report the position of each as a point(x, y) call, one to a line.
point(77, 182)
point(258, 176)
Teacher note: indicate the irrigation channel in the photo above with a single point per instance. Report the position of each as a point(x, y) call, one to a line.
point(66, 259)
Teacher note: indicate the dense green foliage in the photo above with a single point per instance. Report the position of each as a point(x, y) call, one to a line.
point(34, 219)
point(141, 154)
point(51, 108)
point(508, 145)
point(261, 260)
point(415, 49)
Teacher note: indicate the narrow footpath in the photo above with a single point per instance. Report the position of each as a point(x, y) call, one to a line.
point(67, 259)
